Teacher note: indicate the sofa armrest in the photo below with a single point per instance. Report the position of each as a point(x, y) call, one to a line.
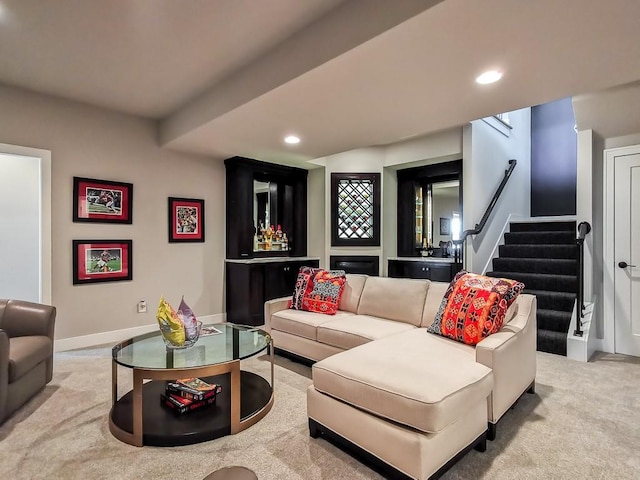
point(511, 354)
point(27, 318)
point(4, 373)
point(273, 306)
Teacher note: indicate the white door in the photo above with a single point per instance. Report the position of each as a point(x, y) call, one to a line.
point(20, 227)
point(627, 254)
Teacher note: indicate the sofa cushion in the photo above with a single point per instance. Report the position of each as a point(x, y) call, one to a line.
point(358, 329)
point(301, 323)
point(432, 303)
point(27, 352)
point(398, 299)
point(474, 307)
point(352, 291)
point(412, 378)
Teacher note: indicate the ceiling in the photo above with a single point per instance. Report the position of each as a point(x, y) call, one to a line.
point(233, 77)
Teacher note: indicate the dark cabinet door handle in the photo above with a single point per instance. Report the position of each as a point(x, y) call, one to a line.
point(625, 265)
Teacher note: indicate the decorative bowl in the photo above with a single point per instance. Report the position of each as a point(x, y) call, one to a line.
point(166, 331)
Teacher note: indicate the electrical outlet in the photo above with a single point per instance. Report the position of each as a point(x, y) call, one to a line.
point(142, 306)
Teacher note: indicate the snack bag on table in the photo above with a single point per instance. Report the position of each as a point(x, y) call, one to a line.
point(171, 326)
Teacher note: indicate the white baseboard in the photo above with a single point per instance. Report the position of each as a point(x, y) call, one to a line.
point(116, 336)
point(582, 348)
point(505, 228)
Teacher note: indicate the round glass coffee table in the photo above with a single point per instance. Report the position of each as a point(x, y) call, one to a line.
point(138, 417)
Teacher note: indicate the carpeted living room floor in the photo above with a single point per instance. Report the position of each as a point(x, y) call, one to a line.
point(582, 423)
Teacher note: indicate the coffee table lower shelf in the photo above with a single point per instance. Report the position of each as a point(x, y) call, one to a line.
point(164, 428)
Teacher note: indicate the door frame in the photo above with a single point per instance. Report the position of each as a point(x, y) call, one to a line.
point(45, 213)
point(608, 257)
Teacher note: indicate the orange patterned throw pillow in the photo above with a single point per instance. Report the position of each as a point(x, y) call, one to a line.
point(318, 290)
point(474, 307)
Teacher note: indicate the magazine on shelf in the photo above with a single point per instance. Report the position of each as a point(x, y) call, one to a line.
point(209, 330)
point(196, 384)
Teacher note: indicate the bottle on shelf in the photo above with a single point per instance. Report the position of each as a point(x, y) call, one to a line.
point(279, 233)
point(285, 242)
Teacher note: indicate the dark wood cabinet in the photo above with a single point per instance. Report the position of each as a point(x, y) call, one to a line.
point(287, 205)
point(253, 282)
point(408, 181)
point(423, 269)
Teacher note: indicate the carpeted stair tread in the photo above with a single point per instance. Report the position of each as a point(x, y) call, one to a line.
point(554, 320)
point(543, 227)
point(537, 238)
point(552, 342)
point(536, 265)
point(538, 251)
point(543, 256)
point(549, 300)
point(541, 281)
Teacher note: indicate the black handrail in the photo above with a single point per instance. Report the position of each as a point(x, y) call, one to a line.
point(583, 230)
point(479, 226)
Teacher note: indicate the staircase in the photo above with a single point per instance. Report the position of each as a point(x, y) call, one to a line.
point(543, 256)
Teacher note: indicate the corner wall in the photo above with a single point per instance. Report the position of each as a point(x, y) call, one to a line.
point(316, 214)
point(96, 143)
point(362, 160)
point(486, 156)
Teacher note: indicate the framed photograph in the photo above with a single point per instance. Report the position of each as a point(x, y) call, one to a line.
point(445, 226)
point(102, 201)
point(186, 220)
point(97, 261)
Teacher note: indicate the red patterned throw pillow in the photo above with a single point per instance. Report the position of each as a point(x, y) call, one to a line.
point(474, 306)
point(318, 290)
point(304, 285)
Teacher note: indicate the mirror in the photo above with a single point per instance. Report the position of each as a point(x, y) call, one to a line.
point(261, 215)
point(438, 217)
point(267, 217)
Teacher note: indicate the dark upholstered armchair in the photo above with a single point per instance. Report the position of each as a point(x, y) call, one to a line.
point(26, 352)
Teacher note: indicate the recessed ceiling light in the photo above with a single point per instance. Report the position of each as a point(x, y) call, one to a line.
point(292, 139)
point(490, 76)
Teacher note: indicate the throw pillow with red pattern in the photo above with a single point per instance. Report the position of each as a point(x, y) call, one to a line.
point(324, 297)
point(474, 306)
point(303, 288)
point(318, 290)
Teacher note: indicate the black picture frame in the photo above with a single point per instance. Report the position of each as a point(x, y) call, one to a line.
point(186, 220)
point(98, 261)
point(102, 201)
point(445, 226)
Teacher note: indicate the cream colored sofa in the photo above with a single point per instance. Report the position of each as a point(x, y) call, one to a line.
point(405, 400)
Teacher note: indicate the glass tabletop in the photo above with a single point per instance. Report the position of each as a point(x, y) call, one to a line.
point(234, 342)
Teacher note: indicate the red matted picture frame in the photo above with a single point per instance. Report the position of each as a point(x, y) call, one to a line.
point(96, 261)
point(186, 220)
point(102, 201)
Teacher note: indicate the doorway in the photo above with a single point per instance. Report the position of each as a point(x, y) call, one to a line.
point(622, 248)
point(25, 223)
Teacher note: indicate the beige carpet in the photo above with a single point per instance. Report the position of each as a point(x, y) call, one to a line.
point(583, 423)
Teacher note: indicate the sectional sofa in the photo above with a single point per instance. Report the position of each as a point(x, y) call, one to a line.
point(403, 399)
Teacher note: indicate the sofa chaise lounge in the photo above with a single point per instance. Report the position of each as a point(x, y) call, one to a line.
point(406, 400)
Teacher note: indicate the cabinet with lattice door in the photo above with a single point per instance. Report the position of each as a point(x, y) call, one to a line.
point(355, 209)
